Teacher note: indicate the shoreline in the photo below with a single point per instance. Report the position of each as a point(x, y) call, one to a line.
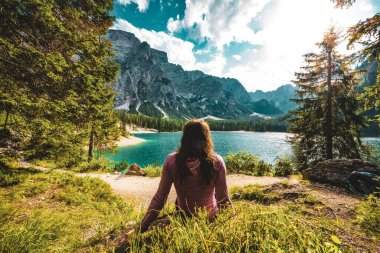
point(140, 130)
point(129, 141)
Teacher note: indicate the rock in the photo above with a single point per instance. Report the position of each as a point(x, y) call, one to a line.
point(364, 183)
point(337, 171)
point(136, 170)
point(150, 84)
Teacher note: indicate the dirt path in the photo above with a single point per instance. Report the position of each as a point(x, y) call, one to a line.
point(142, 189)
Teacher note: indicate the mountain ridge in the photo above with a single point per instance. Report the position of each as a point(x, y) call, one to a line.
point(279, 97)
point(149, 84)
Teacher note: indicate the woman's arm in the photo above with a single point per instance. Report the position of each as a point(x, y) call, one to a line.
point(221, 190)
point(159, 198)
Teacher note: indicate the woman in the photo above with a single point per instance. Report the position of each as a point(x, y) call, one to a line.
point(198, 174)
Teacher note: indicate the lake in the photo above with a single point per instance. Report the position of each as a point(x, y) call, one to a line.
point(268, 146)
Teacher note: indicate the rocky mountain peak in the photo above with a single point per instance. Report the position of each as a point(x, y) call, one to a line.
point(149, 84)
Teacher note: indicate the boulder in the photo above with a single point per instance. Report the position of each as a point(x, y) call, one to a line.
point(337, 171)
point(135, 170)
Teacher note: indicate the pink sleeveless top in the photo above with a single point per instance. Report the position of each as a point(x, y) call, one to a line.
point(192, 193)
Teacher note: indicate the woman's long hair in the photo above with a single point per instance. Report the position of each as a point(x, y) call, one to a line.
point(196, 143)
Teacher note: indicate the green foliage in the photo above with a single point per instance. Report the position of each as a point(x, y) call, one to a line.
point(10, 176)
point(123, 165)
point(162, 125)
point(254, 192)
point(245, 163)
point(55, 83)
point(366, 34)
point(60, 212)
point(328, 121)
point(250, 124)
point(59, 143)
point(368, 215)
point(284, 167)
point(255, 228)
point(153, 170)
point(247, 124)
point(99, 164)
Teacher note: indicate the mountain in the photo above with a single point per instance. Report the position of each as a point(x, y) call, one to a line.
point(279, 97)
point(150, 85)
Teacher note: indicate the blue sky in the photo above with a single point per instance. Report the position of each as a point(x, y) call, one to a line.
point(258, 42)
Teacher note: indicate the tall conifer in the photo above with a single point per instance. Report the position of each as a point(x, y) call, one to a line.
point(327, 122)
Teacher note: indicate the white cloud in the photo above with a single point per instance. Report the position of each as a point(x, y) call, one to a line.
point(174, 25)
point(213, 67)
point(179, 51)
point(291, 30)
point(221, 21)
point(141, 4)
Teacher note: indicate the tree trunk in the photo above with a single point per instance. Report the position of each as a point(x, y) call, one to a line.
point(328, 127)
point(6, 121)
point(91, 145)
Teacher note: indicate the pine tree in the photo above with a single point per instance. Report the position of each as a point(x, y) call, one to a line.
point(367, 33)
point(55, 69)
point(327, 122)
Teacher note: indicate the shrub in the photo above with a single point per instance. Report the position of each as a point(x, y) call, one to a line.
point(123, 165)
point(245, 163)
point(10, 174)
point(263, 168)
point(9, 180)
point(96, 165)
point(284, 167)
point(153, 170)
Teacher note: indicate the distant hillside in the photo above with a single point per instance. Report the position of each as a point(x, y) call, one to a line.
point(279, 97)
point(150, 85)
point(265, 107)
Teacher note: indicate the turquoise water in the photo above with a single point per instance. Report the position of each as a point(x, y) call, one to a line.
point(157, 146)
point(268, 146)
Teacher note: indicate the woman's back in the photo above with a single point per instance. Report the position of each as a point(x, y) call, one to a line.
point(192, 193)
point(198, 174)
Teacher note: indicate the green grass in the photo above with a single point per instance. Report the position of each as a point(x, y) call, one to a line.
point(46, 164)
point(59, 212)
point(254, 192)
point(368, 216)
point(255, 228)
point(153, 170)
point(265, 221)
point(97, 165)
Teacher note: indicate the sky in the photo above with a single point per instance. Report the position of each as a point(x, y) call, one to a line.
point(258, 42)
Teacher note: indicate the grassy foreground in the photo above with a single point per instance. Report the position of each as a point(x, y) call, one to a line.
point(62, 212)
point(58, 212)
